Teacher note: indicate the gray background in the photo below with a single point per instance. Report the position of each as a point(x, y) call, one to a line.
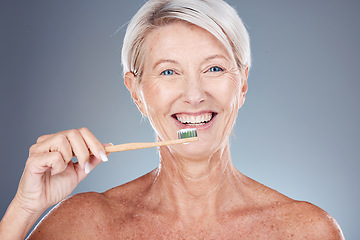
point(298, 131)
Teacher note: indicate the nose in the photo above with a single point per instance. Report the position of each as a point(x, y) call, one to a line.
point(194, 93)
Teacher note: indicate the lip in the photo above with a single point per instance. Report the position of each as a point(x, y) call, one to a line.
point(198, 127)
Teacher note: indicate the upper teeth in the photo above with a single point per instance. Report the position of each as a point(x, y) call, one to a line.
point(191, 119)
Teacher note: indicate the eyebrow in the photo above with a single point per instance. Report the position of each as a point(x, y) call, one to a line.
point(164, 61)
point(215, 56)
point(176, 62)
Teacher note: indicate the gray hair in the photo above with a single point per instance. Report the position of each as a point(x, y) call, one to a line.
point(215, 16)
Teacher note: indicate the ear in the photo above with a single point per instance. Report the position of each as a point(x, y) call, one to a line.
point(244, 87)
point(132, 85)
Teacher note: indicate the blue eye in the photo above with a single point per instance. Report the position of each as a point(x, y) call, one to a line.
point(168, 72)
point(215, 69)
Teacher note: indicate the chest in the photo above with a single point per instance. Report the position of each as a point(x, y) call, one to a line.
point(152, 227)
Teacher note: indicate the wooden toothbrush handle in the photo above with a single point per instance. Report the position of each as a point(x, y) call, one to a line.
point(133, 146)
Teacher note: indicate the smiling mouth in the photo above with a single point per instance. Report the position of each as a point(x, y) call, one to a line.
point(194, 120)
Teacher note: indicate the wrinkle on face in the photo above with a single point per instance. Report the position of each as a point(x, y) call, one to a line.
point(189, 52)
point(201, 78)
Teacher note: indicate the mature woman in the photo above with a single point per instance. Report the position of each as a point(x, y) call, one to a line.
point(186, 64)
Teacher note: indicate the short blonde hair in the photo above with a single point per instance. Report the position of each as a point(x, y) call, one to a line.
point(215, 16)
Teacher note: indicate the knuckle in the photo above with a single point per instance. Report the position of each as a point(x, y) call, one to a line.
point(61, 139)
point(72, 133)
point(41, 138)
point(58, 157)
point(30, 160)
point(33, 149)
point(84, 130)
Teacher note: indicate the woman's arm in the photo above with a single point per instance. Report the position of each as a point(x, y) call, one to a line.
point(49, 177)
point(16, 222)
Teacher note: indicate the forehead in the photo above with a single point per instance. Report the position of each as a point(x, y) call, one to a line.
point(181, 38)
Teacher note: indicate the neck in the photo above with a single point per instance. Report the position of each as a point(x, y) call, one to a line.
point(195, 189)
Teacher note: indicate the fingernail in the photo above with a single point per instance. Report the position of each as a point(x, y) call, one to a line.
point(103, 156)
point(87, 167)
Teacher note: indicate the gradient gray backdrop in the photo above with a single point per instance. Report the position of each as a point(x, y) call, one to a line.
point(298, 131)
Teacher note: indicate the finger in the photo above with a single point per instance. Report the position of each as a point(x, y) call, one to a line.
point(89, 166)
point(79, 146)
point(92, 163)
point(93, 144)
point(54, 143)
point(43, 138)
point(41, 162)
point(107, 145)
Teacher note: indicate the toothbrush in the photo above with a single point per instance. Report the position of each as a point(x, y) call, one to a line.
point(184, 136)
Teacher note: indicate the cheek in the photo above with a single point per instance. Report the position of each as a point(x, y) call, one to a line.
point(235, 82)
point(158, 96)
point(226, 92)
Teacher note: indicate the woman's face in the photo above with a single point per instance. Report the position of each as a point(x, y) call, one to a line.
point(189, 81)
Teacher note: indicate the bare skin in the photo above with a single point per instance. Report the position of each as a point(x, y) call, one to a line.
point(149, 208)
point(195, 193)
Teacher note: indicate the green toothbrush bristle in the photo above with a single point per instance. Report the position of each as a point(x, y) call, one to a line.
point(187, 133)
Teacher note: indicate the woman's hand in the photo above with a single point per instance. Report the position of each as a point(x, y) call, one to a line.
point(50, 175)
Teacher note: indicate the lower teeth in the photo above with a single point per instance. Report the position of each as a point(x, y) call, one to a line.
point(193, 124)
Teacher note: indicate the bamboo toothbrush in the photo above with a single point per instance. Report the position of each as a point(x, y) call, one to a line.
point(184, 136)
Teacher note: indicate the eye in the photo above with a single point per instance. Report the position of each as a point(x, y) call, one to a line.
point(167, 72)
point(216, 69)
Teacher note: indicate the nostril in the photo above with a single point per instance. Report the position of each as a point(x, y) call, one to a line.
point(194, 96)
point(194, 101)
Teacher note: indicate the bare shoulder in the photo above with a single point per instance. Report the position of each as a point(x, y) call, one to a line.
point(303, 220)
point(289, 217)
point(69, 217)
point(90, 215)
point(310, 221)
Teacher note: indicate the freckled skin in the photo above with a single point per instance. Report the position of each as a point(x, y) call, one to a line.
point(132, 211)
point(196, 192)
